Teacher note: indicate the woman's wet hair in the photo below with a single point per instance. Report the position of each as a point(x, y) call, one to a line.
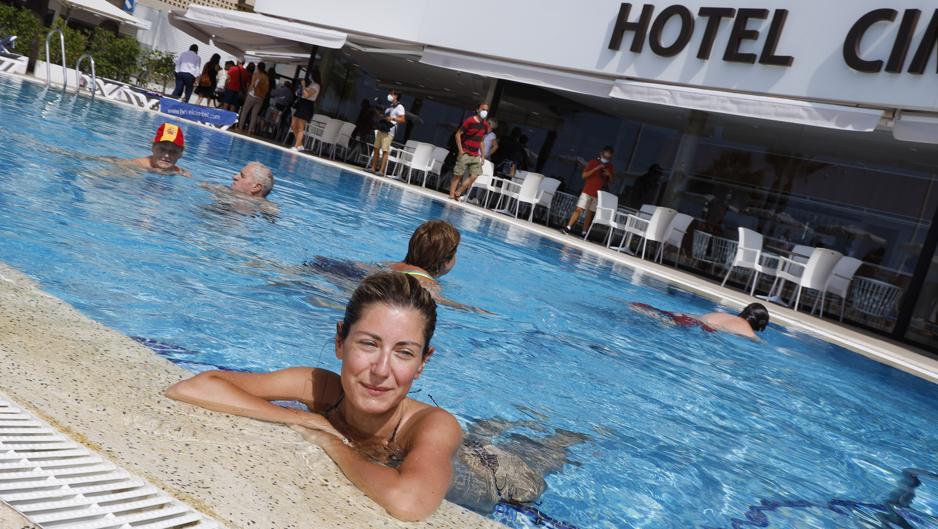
point(396, 290)
point(432, 245)
point(756, 315)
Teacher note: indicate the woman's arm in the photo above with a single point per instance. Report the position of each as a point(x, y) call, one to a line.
point(248, 394)
point(414, 490)
point(311, 91)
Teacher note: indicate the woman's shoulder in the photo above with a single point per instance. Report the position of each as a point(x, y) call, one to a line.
point(432, 423)
point(404, 268)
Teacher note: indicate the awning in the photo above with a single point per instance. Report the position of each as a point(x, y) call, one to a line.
point(240, 33)
point(751, 106)
point(105, 9)
point(522, 73)
point(916, 126)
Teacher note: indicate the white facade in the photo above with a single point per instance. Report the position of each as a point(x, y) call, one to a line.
point(575, 36)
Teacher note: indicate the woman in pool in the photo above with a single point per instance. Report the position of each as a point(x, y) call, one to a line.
point(431, 254)
point(397, 450)
point(753, 318)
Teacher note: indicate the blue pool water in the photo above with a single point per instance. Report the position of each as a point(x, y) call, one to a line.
point(685, 429)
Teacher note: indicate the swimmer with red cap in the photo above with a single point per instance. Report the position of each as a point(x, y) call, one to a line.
point(168, 145)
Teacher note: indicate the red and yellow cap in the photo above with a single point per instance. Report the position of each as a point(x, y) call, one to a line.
point(171, 133)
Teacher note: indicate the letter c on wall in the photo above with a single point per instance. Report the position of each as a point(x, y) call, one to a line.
point(852, 42)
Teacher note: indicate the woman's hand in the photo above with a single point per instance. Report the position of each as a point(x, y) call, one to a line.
point(315, 427)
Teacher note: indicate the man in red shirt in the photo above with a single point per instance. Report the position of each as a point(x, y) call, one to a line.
point(596, 174)
point(235, 85)
point(469, 143)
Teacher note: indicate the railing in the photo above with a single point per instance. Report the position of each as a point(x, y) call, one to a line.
point(94, 79)
point(49, 58)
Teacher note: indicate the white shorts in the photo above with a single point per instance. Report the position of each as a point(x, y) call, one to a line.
point(586, 202)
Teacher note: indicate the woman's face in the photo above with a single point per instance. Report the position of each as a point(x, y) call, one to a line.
point(381, 357)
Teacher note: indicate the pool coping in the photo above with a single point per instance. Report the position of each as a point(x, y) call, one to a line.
point(899, 355)
point(104, 391)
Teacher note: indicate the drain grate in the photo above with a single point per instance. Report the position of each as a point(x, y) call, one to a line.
point(59, 484)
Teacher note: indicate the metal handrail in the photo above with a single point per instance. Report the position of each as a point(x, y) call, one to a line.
point(48, 59)
point(94, 79)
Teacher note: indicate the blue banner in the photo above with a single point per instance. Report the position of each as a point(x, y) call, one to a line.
point(129, 6)
point(209, 115)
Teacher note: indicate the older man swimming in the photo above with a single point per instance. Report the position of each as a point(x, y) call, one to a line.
point(167, 149)
point(254, 179)
point(247, 193)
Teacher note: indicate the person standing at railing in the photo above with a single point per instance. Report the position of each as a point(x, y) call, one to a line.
point(597, 174)
point(188, 67)
point(469, 139)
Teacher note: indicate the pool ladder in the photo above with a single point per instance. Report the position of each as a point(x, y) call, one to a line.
point(94, 79)
point(49, 59)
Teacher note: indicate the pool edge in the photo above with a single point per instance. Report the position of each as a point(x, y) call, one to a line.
point(104, 391)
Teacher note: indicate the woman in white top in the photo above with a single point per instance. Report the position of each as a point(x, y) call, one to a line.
point(305, 108)
point(490, 141)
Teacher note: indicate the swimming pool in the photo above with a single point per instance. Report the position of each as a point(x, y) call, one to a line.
point(685, 429)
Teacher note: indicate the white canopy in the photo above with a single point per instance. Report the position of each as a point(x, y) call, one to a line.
point(106, 9)
point(512, 71)
point(241, 33)
point(916, 126)
point(751, 106)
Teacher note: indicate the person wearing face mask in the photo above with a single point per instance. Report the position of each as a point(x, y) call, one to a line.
point(596, 174)
point(469, 143)
point(394, 115)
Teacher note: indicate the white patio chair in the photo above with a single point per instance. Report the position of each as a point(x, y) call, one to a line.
point(421, 161)
point(484, 183)
point(330, 136)
point(400, 157)
point(606, 206)
point(314, 131)
point(873, 297)
point(619, 221)
point(548, 188)
point(527, 192)
point(814, 274)
point(801, 253)
point(646, 211)
point(653, 229)
point(839, 282)
point(676, 233)
point(439, 157)
point(749, 256)
point(343, 139)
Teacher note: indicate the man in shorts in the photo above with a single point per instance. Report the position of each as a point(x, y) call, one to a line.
point(597, 173)
point(469, 143)
point(394, 115)
point(168, 145)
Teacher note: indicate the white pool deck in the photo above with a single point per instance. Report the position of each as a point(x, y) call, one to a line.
point(104, 390)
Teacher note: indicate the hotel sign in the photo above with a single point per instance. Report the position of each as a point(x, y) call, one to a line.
point(880, 53)
point(648, 26)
